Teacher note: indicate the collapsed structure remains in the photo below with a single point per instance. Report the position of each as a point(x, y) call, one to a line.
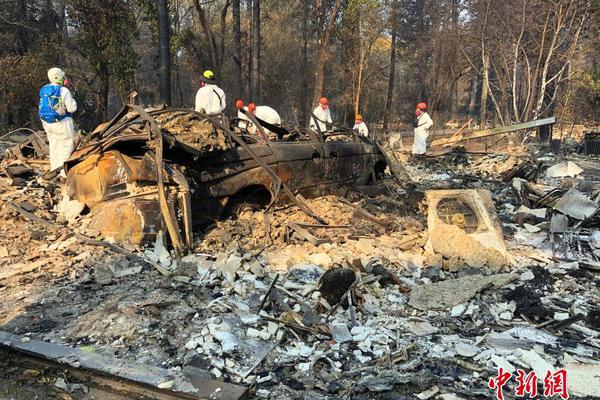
point(184, 258)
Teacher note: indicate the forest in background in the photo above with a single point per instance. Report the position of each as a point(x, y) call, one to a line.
point(498, 62)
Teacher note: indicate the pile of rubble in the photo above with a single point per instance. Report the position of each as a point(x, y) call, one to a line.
point(484, 262)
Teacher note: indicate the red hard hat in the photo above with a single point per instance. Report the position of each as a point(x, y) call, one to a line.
point(239, 104)
point(324, 101)
point(422, 106)
point(251, 107)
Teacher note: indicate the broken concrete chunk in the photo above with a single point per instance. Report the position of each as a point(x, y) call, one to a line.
point(532, 228)
point(465, 349)
point(229, 266)
point(536, 212)
point(452, 292)
point(536, 362)
point(458, 310)
point(463, 224)
point(501, 362)
point(340, 333)
point(568, 168)
point(527, 276)
point(421, 328)
point(307, 273)
point(576, 205)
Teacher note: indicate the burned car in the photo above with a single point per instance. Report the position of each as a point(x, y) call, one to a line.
point(176, 169)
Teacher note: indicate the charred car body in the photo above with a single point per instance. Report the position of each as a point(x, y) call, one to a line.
point(205, 169)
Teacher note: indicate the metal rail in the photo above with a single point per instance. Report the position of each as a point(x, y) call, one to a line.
point(118, 376)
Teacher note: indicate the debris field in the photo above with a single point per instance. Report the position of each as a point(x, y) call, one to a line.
point(416, 290)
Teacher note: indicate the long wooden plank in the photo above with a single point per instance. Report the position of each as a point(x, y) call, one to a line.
point(496, 131)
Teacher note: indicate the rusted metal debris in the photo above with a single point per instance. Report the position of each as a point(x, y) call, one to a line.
point(176, 169)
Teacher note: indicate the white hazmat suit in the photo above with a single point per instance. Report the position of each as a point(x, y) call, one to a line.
point(424, 124)
point(322, 115)
point(268, 115)
point(362, 129)
point(245, 122)
point(61, 134)
point(210, 99)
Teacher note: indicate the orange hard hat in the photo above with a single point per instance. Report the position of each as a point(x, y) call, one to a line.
point(422, 106)
point(239, 104)
point(251, 107)
point(358, 117)
point(324, 101)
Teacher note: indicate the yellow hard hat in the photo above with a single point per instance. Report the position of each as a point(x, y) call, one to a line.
point(208, 76)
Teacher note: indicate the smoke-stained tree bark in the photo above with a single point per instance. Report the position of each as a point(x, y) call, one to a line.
point(256, 51)
point(164, 70)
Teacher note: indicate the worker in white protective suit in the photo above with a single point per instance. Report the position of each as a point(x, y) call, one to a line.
point(360, 126)
point(244, 120)
point(264, 113)
point(210, 99)
point(55, 110)
point(323, 113)
point(422, 126)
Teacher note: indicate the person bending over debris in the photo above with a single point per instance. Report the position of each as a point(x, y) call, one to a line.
point(423, 124)
point(264, 113)
point(323, 113)
point(244, 121)
point(210, 98)
point(360, 126)
point(55, 110)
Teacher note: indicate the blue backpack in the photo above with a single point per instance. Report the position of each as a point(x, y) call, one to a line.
point(50, 102)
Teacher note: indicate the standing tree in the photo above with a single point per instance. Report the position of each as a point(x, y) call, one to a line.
point(255, 51)
point(391, 81)
point(326, 15)
point(165, 52)
point(237, 46)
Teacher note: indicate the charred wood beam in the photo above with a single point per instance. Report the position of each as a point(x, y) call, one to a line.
point(306, 235)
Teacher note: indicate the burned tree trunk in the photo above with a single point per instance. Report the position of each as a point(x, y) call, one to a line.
point(391, 81)
point(256, 51)
point(484, 90)
point(165, 52)
point(304, 95)
point(237, 39)
point(323, 52)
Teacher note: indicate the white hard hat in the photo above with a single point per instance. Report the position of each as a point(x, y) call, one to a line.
point(56, 75)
